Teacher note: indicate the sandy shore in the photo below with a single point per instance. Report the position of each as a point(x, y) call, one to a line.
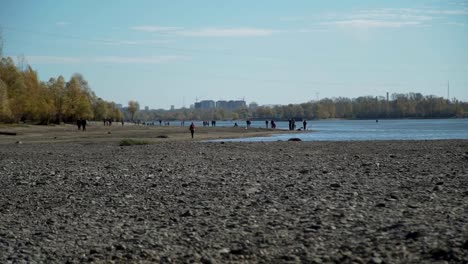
point(97, 132)
point(276, 202)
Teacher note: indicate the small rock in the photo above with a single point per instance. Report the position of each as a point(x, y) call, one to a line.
point(187, 213)
point(224, 251)
point(120, 247)
point(316, 227)
point(335, 185)
point(441, 254)
point(376, 260)
point(289, 258)
point(413, 235)
point(465, 245)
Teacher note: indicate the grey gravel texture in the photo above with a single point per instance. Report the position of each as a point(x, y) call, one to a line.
point(276, 202)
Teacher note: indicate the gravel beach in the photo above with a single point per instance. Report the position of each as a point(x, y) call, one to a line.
point(276, 202)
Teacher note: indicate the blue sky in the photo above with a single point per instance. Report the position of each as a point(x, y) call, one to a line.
point(164, 53)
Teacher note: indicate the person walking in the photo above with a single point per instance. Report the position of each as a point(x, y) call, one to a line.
point(83, 124)
point(304, 124)
point(192, 129)
point(266, 123)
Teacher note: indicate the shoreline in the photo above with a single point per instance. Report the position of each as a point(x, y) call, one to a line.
point(31, 134)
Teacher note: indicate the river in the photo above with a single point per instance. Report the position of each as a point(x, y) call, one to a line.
point(346, 130)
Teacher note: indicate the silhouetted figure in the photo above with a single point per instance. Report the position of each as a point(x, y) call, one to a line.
point(122, 122)
point(192, 129)
point(304, 124)
point(248, 123)
point(235, 124)
point(160, 122)
point(273, 124)
point(293, 124)
point(266, 123)
point(78, 123)
point(290, 124)
point(83, 124)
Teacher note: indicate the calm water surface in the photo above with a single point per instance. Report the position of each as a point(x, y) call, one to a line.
point(346, 130)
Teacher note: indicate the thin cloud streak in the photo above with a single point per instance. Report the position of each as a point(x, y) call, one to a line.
point(391, 17)
point(105, 59)
point(135, 42)
point(208, 31)
point(155, 28)
point(139, 60)
point(227, 32)
point(367, 23)
point(61, 23)
point(53, 60)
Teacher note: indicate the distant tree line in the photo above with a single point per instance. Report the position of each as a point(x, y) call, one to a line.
point(23, 97)
point(411, 105)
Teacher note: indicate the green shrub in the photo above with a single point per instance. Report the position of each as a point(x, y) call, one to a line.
point(131, 142)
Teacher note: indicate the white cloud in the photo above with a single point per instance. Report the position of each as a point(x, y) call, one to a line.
point(455, 12)
point(367, 23)
point(105, 59)
point(208, 31)
point(391, 14)
point(53, 60)
point(61, 23)
point(155, 28)
point(136, 42)
point(138, 60)
point(392, 17)
point(227, 32)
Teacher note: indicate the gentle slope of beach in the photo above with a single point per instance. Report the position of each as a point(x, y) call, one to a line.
point(97, 132)
point(277, 202)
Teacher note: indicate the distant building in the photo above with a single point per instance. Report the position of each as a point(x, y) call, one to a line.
point(172, 107)
point(205, 104)
point(230, 105)
point(146, 108)
point(253, 105)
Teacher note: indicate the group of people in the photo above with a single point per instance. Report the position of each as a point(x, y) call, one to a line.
point(207, 123)
point(272, 124)
point(81, 123)
point(292, 124)
point(108, 121)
